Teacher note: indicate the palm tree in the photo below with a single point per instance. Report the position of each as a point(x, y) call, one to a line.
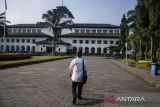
point(2, 23)
point(53, 21)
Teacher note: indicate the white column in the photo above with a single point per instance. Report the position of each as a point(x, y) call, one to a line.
point(101, 50)
point(96, 50)
point(89, 49)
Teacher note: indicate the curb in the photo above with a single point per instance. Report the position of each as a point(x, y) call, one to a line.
point(140, 73)
point(7, 66)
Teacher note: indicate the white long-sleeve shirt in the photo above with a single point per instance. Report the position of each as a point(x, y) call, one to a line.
point(77, 67)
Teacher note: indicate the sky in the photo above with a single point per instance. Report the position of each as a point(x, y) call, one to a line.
point(84, 11)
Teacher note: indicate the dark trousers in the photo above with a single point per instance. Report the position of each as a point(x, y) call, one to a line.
point(74, 88)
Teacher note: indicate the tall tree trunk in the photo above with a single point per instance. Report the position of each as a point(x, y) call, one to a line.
point(151, 48)
point(146, 48)
point(54, 46)
point(159, 51)
point(126, 49)
point(140, 46)
point(159, 43)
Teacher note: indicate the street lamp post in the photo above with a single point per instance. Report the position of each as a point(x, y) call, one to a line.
point(52, 47)
point(126, 50)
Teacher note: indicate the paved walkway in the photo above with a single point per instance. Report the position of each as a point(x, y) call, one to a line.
point(48, 85)
point(139, 72)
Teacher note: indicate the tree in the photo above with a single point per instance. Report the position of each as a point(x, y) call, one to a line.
point(53, 21)
point(142, 25)
point(123, 34)
point(144, 22)
point(154, 26)
point(114, 50)
point(3, 22)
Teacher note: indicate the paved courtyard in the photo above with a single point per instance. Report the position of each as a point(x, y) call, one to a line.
point(48, 84)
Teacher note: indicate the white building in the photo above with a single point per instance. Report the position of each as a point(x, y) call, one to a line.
point(88, 37)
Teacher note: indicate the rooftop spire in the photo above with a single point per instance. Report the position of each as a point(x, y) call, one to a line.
point(62, 2)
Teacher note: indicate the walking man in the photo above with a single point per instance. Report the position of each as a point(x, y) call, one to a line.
point(76, 74)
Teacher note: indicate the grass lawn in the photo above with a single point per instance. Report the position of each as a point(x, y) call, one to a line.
point(140, 65)
point(33, 58)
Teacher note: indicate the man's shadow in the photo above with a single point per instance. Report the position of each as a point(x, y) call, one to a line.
point(90, 101)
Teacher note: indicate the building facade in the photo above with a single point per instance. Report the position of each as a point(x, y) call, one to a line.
point(88, 37)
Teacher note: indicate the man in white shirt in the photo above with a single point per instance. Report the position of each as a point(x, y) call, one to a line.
point(76, 74)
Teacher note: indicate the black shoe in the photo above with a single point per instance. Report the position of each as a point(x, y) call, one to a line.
point(74, 101)
point(80, 98)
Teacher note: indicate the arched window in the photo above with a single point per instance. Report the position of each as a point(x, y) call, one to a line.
point(74, 50)
point(23, 48)
point(33, 49)
point(12, 48)
point(1, 47)
point(7, 48)
point(28, 48)
point(99, 51)
point(86, 50)
point(81, 49)
point(105, 51)
point(17, 48)
point(92, 50)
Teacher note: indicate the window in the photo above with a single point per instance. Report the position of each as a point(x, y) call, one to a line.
point(19, 30)
point(33, 30)
point(111, 42)
point(28, 30)
point(74, 41)
point(28, 40)
point(1, 40)
point(24, 30)
point(17, 40)
point(99, 31)
point(105, 41)
point(80, 41)
point(93, 31)
point(76, 31)
point(38, 30)
point(82, 31)
point(93, 41)
point(87, 31)
point(104, 31)
point(111, 31)
point(116, 31)
point(33, 41)
point(65, 16)
point(7, 40)
point(9, 30)
point(23, 40)
point(99, 41)
point(14, 31)
point(12, 40)
point(87, 41)
point(1, 47)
